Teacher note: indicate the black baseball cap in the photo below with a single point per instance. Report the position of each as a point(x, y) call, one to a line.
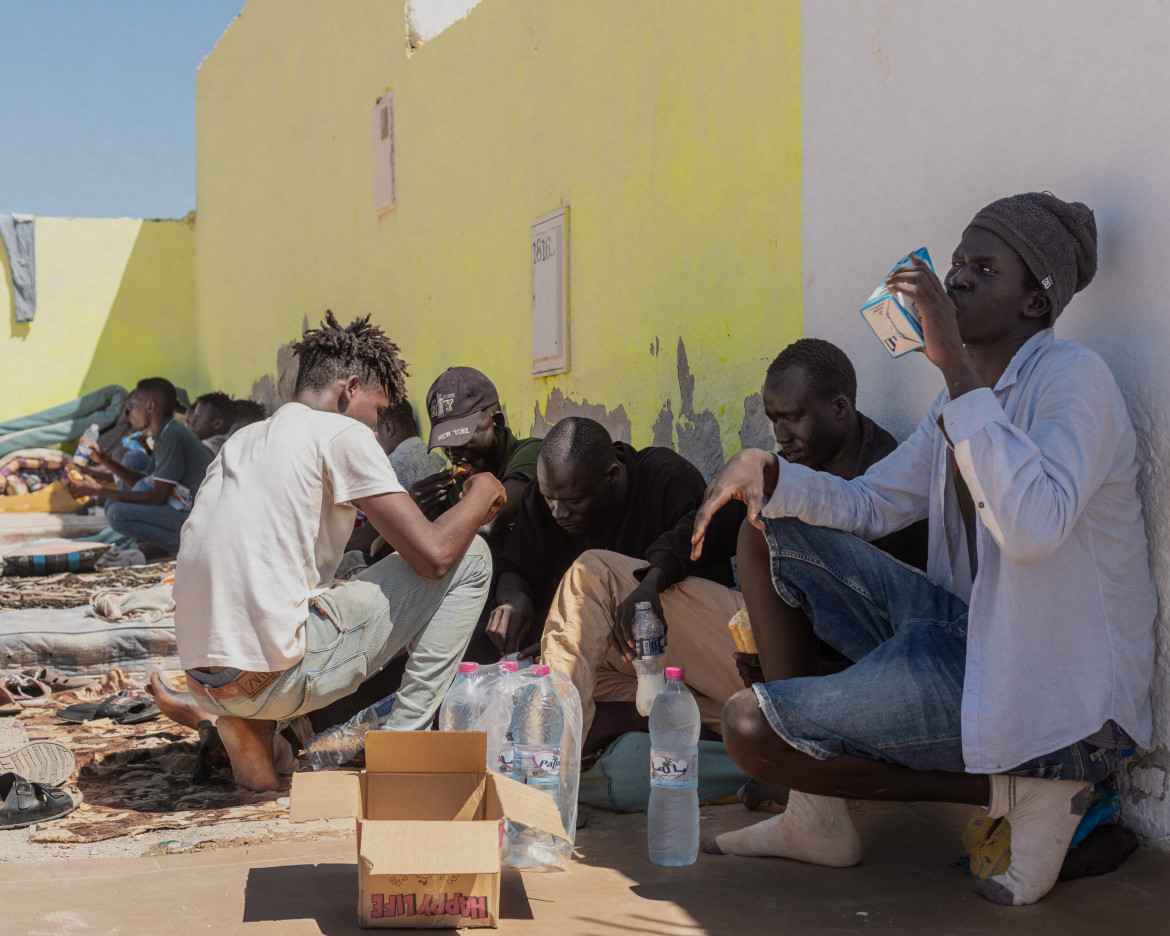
point(454, 403)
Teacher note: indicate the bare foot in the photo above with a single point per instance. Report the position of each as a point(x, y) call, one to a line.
point(249, 747)
point(178, 706)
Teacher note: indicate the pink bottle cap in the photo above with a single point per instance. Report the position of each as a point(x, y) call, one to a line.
point(675, 672)
point(508, 666)
point(539, 669)
point(469, 667)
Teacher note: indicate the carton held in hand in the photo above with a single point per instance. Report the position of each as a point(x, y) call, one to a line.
point(894, 317)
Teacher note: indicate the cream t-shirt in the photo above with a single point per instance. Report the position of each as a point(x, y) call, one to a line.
point(269, 525)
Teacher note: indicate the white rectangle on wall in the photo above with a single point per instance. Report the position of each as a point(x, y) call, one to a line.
point(550, 290)
point(383, 134)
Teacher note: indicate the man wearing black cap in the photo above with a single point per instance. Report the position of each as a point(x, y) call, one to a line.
point(1018, 673)
point(468, 425)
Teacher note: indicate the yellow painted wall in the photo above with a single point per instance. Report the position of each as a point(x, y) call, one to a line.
point(115, 303)
point(671, 129)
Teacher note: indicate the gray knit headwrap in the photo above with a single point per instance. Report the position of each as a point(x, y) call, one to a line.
point(1056, 239)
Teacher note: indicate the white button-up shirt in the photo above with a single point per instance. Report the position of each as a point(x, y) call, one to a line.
point(1060, 628)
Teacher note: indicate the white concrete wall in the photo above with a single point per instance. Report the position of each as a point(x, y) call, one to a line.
point(916, 113)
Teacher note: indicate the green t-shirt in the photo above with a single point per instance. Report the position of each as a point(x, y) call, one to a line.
point(519, 461)
point(180, 459)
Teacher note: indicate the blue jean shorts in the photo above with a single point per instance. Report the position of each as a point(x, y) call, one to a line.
point(901, 700)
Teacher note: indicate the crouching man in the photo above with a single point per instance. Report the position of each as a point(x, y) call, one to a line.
point(1023, 675)
point(261, 634)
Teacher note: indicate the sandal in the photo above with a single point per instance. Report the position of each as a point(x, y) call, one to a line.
point(26, 690)
point(39, 762)
point(128, 707)
point(8, 705)
point(25, 802)
point(58, 682)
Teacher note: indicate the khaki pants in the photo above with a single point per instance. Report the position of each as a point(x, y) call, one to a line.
point(576, 632)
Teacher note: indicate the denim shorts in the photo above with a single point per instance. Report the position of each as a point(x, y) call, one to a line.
point(901, 700)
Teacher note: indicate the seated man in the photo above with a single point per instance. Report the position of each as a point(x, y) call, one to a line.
point(469, 426)
point(1023, 675)
point(809, 394)
point(262, 636)
point(244, 413)
point(399, 438)
point(211, 419)
point(633, 511)
point(157, 501)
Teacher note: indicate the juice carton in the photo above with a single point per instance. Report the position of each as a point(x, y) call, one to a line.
point(894, 317)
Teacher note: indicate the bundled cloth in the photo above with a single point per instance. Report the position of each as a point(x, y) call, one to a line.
point(146, 604)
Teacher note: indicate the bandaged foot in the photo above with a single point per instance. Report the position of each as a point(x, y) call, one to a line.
point(816, 829)
point(1043, 814)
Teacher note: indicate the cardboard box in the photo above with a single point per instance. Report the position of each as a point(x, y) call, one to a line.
point(893, 317)
point(430, 822)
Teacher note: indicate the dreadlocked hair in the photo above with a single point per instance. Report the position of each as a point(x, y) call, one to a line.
point(331, 353)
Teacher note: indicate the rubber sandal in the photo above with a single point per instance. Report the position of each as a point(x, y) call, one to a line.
point(58, 682)
point(8, 705)
point(23, 802)
point(40, 762)
point(26, 690)
point(128, 707)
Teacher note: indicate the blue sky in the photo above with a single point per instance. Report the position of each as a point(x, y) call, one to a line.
point(97, 110)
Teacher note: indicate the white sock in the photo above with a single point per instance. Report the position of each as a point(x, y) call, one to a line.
point(1043, 814)
point(816, 829)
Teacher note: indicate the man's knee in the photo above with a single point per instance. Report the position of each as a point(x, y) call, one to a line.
point(744, 726)
point(593, 564)
point(113, 512)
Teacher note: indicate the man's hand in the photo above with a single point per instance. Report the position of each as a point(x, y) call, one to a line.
point(86, 487)
point(749, 668)
point(621, 637)
point(509, 623)
point(936, 310)
point(475, 483)
point(747, 476)
point(97, 456)
point(432, 490)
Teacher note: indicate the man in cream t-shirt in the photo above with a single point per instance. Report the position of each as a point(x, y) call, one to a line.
point(262, 634)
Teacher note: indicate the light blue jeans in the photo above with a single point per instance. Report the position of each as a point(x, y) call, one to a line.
point(355, 629)
point(158, 525)
point(901, 699)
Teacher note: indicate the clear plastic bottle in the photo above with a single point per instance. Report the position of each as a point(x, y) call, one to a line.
point(649, 661)
point(507, 682)
point(537, 726)
point(672, 827)
point(334, 746)
point(85, 444)
point(464, 702)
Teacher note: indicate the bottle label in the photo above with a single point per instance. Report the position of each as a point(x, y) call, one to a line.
point(546, 765)
point(649, 646)
point(673, 771)
point(507, 755)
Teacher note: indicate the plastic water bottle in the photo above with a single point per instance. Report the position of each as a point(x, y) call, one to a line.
point(85, 444)
point(673, 817)
point(464, 701)
point(506, 681)
point(537, 726)
point(334, 746)
point(649, 659)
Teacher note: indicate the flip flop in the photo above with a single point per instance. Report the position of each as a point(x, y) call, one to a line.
point(58, 682)
point(40, 762)
point(128, 707)
point(25, 689)
point(24, 802)
point(8, 705)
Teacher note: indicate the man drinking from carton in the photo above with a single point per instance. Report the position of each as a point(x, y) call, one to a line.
point(1023, 676)
point(261, 634)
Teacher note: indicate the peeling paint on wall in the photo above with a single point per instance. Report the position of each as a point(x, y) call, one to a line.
point(756, 431)
point(556, 408)
point(698, 433)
